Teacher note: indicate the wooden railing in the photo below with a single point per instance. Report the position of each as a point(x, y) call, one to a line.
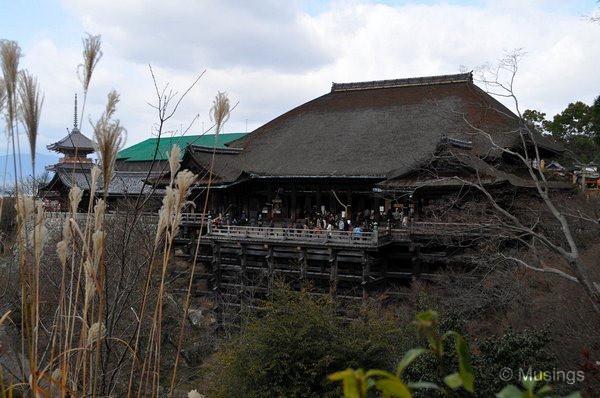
point(450, 228)
point(350, 238)
point(403, 234)
point(382, 236)
point(147, 218)
point(194, 219)
point(432, 230)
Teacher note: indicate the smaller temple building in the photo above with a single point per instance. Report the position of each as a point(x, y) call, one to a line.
point(73, 168)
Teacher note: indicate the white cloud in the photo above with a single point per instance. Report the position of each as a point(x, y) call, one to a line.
point(184, 33)
point(272, 56)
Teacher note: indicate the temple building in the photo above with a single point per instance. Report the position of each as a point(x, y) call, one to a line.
point(366, 147)
point(74, 167)
point(358, 191)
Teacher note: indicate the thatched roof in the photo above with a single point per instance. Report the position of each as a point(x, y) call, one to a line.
point(198, 159)
point(462, 170)
point(376, 129)
point(371, 130)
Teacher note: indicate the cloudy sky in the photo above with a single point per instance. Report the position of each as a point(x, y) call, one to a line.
point(271, 56)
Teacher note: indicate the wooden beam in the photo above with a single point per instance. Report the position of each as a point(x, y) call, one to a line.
point(270, 266)
point(366, 271)
point(333, 276)
point(303, 265)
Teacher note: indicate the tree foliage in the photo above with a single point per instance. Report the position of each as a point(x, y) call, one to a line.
point(297, 340)
point(577, 127)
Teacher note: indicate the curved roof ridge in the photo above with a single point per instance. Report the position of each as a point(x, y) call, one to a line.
point(412, 81)
point(75, 139)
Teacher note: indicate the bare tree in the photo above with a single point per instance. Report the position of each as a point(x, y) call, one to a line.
point(499, 80)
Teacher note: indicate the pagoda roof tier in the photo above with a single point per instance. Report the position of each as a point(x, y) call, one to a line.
point(73, 141)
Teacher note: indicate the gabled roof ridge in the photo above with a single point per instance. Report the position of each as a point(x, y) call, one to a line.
point(412, 81)
point(210, 149)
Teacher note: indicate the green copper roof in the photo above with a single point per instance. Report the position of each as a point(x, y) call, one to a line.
point(144, 151)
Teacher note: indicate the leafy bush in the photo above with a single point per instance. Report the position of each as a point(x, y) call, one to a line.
point(298, 340)
point(513, 350)
point(448, 383)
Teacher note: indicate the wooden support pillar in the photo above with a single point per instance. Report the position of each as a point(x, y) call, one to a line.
point(216, 270)
point(243, 275)
point(303, 265)
point(349, 204)
point(293, 205)
point(416, 260)
point(333, 276)
point(332, 202)
point(319, 198)
point(366, 272)
point(384, 266)
point(270, 267)
point(247, 201)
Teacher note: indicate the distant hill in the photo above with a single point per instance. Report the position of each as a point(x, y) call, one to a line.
point(41, 161)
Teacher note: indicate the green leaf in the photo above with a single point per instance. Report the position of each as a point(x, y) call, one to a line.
point(410, 356)
point(382, 373)
point(423, 385)
point(574, 395)
point(341, 375)
point(350, 379)
point(529, 383)
point(427, 316)
point(465, 369)
point(510, 391)
point(393, 388)
point(351, 389)
point(544, 390)
point(453, 381)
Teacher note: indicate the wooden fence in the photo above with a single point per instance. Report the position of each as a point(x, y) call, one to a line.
point(303, 236)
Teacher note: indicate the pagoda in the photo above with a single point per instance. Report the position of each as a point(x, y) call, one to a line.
point(75, 148)
point(73, 168)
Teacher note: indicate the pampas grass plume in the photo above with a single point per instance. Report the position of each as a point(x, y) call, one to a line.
point(99, 210)
point(97, 330)
point(219, 113)
point(31, 108)
point(109, 138)
point(75, 195)
point(96, 172)
point(10, 53)
point(195, 394)
point(174, 161)
point(91, 56)
point(62, 249)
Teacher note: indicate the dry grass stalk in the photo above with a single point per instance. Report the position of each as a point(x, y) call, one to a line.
point(169, 219)
point(174, 157)
point(75, 195)
point(109, 138)
point(91, 56)
point(10, 53)
point(220, 111)
point(2, 105)
point(96, 332)
point(2, 94)
point(31, 108)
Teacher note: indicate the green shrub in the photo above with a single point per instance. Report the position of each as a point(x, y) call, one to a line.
point(298, 340)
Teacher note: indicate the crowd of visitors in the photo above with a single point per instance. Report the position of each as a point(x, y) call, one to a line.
point(317, 220)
